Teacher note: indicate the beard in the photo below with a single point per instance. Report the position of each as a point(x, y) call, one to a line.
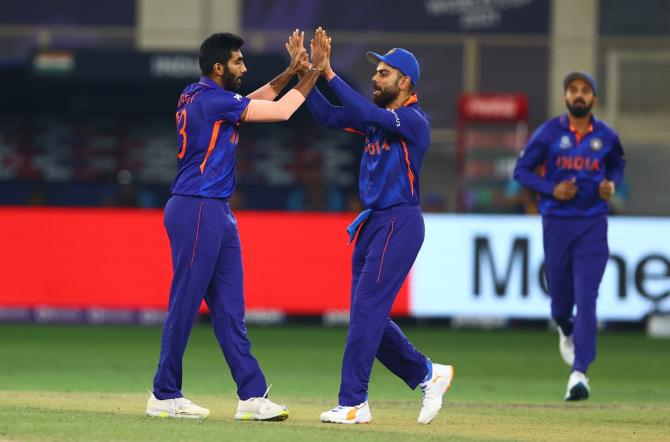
point(231, 82)
point(385, 97)
point(579, 108)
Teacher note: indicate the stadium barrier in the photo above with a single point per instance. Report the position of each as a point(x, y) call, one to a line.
point(113, 266)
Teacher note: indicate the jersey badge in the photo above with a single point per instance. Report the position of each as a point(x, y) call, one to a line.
point(596, 144)
point(565, 142)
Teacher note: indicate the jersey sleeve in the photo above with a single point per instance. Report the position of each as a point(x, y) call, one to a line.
point(534, 154)
point(328, 115)
point(403, 122)
point(615, 162)
point(225, 106)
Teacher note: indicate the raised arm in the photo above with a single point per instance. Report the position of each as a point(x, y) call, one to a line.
point(360, 108)
point(267, 111)
point(296, 50)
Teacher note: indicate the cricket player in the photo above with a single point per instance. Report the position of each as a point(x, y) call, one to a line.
point(388, 234)
point(206, 255)
point(582, 161)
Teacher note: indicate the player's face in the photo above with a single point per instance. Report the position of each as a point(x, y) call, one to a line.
point(385, 84)
point(235, 70)
point(579, 98)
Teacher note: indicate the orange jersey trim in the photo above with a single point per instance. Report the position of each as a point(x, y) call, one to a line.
point(411, 100)
point(410, 174)
point(212, 144)
point(353, 131)
point(578, 136)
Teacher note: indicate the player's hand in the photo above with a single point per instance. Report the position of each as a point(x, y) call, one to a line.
point(606, 189)
point(565, 190)
point(296, 50)
point(320, 50)
point(328, 71)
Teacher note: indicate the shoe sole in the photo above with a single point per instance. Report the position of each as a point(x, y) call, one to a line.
point(578, 393)
point(167, 415)
point(346, 422)
point(255, 417)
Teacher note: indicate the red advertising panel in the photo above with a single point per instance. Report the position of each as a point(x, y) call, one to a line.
point(120, 259)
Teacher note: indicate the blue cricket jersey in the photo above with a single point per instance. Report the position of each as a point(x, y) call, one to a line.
point(207, 120)
point(565, 155)
point(396, 140)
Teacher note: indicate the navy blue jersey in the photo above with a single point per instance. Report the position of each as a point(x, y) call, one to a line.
point(396, 140)
point(207, 137)
point(565, 155)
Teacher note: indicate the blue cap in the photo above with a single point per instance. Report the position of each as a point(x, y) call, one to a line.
point(579, 75)
point(399, 58)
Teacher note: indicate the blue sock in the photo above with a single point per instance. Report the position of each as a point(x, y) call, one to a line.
point(429, 366)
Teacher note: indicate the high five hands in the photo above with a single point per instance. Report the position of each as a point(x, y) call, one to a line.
point(296, 50)
point(319, 53)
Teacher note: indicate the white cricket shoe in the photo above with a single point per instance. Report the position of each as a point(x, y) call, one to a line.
point(177, 408)
point(433, 390)
point(260, 409)
point(578, 387)
point(567, 347)
point(360, 414)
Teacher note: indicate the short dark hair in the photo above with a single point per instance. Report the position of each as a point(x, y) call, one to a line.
point(216, 49)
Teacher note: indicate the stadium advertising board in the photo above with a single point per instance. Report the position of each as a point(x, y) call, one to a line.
point(111, 265)
point(492, 266)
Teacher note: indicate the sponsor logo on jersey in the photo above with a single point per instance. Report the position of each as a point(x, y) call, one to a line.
point(565, 142)
point(596, 144)
point(238, 97)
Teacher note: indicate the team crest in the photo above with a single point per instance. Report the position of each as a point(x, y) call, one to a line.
point(565, 142)
point(596, 144)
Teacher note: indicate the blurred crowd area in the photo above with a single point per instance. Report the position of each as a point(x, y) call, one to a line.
point(91, 89)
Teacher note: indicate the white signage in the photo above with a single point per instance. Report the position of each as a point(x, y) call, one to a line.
point(492, 266)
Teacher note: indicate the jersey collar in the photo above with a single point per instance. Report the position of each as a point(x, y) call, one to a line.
point(411, 100)
point(208, 82)
point(565, 122)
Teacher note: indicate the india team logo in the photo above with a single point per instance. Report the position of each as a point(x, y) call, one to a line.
point(565, 142)
point(596, 144)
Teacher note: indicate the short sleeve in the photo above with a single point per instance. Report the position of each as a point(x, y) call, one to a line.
point(225, 105)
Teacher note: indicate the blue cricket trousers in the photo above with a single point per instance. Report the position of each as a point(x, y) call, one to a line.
point(207, 263)
point(385, 250)
point(576, 254)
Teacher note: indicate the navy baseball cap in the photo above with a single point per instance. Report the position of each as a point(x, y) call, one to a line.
point(578, 75)
point(399, 58)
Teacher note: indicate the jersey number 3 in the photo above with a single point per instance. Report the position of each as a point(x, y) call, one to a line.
point(181, 127)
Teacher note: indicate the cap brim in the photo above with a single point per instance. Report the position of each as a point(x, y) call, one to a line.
point(374, 57)
point(576, 76)
point(579, 76)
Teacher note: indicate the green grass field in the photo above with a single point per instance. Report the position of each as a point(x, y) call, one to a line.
point(78, 383)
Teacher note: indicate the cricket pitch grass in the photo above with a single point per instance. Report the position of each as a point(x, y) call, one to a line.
point(84, 383)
